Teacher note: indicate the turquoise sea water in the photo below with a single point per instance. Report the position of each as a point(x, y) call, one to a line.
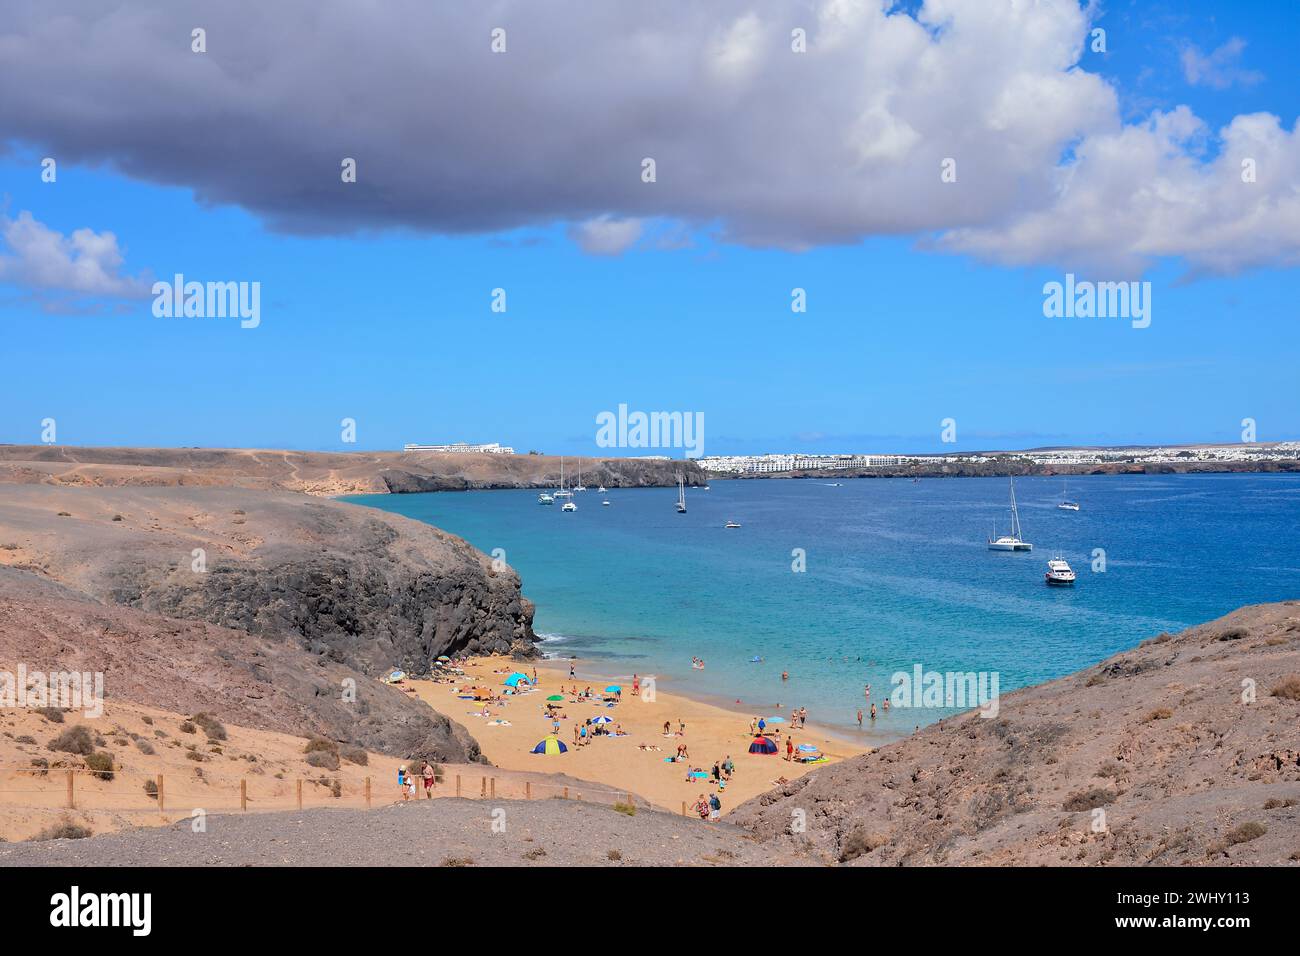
point(898, 574)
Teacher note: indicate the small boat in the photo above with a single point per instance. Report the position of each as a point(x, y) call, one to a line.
point(1066, 504)
point(569, 506)
point(681, 495)
point(705, 488)
point(733, 524)
point(1059, 572)
point(579, 486)
point(1012, 541)
point(545, 499)
point(600, 490)
point(605, 503)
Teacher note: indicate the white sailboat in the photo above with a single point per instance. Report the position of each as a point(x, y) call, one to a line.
point(562, 492)
point(681, 495)
point(1066, 504)
point(1012, 541)
point(569, 506)
point(579, 486)
point(601, 489)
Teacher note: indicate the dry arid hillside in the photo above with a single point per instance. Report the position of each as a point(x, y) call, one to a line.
point(355, 585)
point(323, 473)
point(1151, 757)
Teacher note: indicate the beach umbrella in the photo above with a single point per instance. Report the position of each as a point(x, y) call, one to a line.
point(613, 689)
point(762, 745)
point(808, 748)
point(602, 719)
point(556, 697)
point(514, 680)
point(551, 746)
point(518, 674)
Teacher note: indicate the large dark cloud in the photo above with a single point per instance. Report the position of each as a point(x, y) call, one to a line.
point(774, 147)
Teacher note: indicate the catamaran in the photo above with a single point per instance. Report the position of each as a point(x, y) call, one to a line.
point(681, 495)
point(1066, 504)
point(1012, 541)
point(601, 490)
point(569, 506)
point(579, 486)
point(545, 499)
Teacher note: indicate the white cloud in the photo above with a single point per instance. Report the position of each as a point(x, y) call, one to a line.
point(606, 236)
point(84, 264)
point(1218, 69)
point(752, 142)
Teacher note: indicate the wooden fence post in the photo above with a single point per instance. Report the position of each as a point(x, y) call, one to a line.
point(243, 793)
point(72, 802)
point(299, 782)
point(367, 793)
point(528, 790)
point(160, 793)
point(493, 787)
point(683, 808)
point(566, 793)
point(458, 785)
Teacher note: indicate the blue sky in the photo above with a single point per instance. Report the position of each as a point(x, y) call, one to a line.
point(391, 326)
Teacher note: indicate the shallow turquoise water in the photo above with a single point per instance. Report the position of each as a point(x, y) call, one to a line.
point(898, 574)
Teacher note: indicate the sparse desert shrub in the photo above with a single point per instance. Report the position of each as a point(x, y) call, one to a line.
point(187, 727)
point(1276, 804)
point(1246, 832)
point(52, 714)
point(1088, 799)
point(147, 720)
point(65, 514)
point(320, 745)
point(627, 809)
point(145, 747)
point(536, 853)
point(74, 740)
point(859, 843)
point(151, 789)
point(614, 855)
point(211, 726)
point(457, 861)
point(1160, 713)
point(1233, 634)
point(117, 517)
point(65, 829)
point(1288, 688)
point(41, 764)
point(356, 755)
point(324, 759)
point(25, 739)
point(195, 756)
point(1109, 769)
point(336, 788)
point(101, 763)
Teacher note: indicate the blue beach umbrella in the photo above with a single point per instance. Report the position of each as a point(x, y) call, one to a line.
point(550, 747)
point(602, 719)
point(613, 689)
point(514, 680)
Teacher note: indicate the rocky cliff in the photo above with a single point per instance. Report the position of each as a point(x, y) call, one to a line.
point(356, 586)
point(1185, 750)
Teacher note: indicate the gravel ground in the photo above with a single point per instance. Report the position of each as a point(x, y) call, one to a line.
point(444, 832)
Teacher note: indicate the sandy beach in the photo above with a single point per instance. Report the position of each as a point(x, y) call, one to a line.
point(637, 761)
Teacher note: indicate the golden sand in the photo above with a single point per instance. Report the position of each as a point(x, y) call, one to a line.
point(620, 763)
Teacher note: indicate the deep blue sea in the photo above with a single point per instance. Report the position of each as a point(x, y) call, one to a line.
point(897, 574)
